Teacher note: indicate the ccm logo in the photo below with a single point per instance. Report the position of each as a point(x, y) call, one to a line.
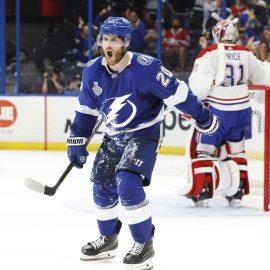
point(8, 113)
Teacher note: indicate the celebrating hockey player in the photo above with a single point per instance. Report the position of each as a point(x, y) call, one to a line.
point(220, 76)
point(131, 92)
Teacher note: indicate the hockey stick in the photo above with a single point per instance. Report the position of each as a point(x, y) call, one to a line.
point(50, 191)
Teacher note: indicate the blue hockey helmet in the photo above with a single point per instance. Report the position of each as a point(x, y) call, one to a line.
point(118, 26)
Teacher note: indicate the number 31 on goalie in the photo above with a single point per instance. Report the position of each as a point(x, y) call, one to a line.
point(234, 74)
point(164, 76)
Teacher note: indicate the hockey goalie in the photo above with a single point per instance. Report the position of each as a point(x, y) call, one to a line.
point(220, 78)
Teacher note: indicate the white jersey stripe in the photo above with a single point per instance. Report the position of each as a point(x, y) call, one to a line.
point(107, 213)
point(86, 110)
point(180, 95)
point(138, 215)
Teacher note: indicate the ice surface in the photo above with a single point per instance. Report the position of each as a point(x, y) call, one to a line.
point(40, 232)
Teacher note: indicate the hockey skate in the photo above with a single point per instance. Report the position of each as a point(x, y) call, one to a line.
point(235, 200)
point(102, 248)
point(140, 256)
point(202, 200)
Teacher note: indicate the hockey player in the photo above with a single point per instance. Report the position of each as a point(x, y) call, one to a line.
point(220, 76)
point(130, 90)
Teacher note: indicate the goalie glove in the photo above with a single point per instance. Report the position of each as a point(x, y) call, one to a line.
point(76, 150)
point(210, 126)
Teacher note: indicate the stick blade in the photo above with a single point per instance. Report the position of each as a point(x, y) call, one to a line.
point(34, 185)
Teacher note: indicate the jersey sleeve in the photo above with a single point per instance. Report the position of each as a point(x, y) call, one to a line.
point(202, 77)
point(86, 108)
point(87, 103)
point(259, 72)
point(162, 83)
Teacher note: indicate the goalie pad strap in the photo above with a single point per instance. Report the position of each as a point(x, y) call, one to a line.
point(243, 167)
point(201, 171)
point(233, 171)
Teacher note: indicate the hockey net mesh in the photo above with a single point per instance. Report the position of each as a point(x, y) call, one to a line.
point(257, 148)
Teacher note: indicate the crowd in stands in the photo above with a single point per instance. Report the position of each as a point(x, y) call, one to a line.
point(186, 29)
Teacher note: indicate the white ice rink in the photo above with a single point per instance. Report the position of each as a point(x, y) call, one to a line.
point(39, 232)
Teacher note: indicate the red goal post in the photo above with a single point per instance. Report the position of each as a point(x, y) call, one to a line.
point(266, 144)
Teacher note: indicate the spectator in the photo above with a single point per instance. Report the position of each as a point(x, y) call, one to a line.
point(148, 21)
point(175, 42)
point(242, 38)
point(203, 43)
point(266, 34)
point(81, 40)
point(238, 8)
point(182, 10)
point(198, 17)
point(75, 84)
point(263, 52)
point(252, 44)
point(151, 6)
point(215, 15)
point(261, 12)
point(137, 37)
point(53, 82)
point(151, 39)
point(250, 24)
point(207, 7)
point(103, 15)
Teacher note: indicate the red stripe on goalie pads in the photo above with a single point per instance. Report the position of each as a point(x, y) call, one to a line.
point(243, 167)
point(191, 145)
point(201, 171)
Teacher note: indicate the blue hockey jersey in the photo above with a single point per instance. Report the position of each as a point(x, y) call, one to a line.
point(133, 100)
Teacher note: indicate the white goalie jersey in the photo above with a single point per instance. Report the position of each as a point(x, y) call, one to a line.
point(221, 75)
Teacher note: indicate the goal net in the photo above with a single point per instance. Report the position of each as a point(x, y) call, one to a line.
point(258, 148)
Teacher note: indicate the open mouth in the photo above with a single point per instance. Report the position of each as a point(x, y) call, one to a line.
point(110, 54)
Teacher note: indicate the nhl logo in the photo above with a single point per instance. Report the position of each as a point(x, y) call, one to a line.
point(96, 89)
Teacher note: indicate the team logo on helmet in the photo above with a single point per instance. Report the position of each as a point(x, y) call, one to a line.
point(145, 60)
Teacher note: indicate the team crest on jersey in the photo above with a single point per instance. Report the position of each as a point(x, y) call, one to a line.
point(145, 60)
point(96, 89)
point(119, 111)
point(91, 62)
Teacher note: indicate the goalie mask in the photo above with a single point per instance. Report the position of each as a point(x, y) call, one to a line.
point(117, 26)
point(225, 30)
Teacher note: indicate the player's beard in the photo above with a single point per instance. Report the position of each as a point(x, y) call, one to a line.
point(114, 56)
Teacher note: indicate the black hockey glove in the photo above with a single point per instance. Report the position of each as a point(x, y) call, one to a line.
point(209, 126)
point(76, 150)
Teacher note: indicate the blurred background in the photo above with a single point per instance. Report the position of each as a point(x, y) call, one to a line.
point(45, 43)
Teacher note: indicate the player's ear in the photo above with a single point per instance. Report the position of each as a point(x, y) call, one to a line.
point(127, 43)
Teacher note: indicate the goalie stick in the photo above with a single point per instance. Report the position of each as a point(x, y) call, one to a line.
point(50, 191)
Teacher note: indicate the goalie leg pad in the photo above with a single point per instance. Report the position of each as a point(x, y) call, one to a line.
point(234, 176)
point(201, 172)
point(243, 168)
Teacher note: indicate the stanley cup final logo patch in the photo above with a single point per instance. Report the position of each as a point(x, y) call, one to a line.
point(96, 89)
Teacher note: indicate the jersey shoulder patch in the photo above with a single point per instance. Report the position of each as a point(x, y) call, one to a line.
point(144, 60)
point(91, 62)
